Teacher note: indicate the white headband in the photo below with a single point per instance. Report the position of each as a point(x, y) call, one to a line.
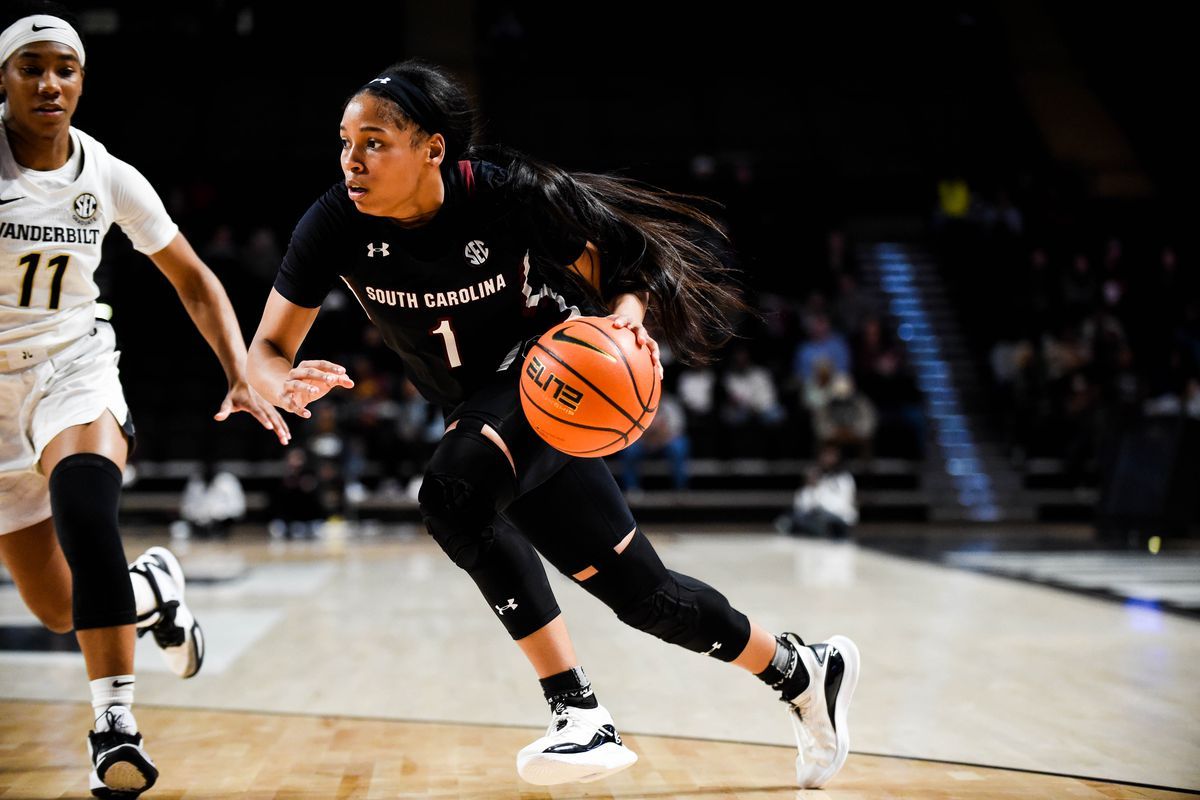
point(39, 28)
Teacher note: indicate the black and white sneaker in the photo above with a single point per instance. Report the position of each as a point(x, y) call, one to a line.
point(819, 713)
point(174, 627)
point(121, 769)
point(581, 745)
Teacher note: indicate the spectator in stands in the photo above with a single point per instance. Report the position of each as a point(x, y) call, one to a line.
point(750, 396)
point(666, 438)
point(823, 343)
point(883, 377)
point(296, 508)
point(696, 389)
point(750, 413)
point(826, 506)
point(847, 419)
point(212, 501)
point(1065, 351)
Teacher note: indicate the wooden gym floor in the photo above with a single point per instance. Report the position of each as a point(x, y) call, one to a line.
point(368, 667)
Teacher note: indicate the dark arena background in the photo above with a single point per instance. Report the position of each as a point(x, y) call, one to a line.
point(962, 425)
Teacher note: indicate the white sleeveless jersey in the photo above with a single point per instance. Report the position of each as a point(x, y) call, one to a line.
point(50, 241)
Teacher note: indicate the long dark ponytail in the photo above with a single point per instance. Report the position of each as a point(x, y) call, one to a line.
point(650, 240)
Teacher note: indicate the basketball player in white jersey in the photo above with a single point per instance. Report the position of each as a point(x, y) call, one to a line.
point(64, 424)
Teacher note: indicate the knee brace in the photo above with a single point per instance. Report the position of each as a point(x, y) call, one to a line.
point(675, 608)
point(468, 480)
point(85, 490)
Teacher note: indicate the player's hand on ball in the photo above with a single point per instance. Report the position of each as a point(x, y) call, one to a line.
point(644, 339)
point(309, 381)
point(242, 397)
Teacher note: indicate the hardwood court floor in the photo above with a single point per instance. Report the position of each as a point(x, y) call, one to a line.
point(221, 754)
point(957, 666)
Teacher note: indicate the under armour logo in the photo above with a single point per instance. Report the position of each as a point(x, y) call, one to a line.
point(26, 355)
point(381, 80)
point(476, 252)
point(716, 646)
point(512, 606)
point(382, 250)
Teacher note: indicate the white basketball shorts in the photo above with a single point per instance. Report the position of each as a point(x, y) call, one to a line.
point(73, 387)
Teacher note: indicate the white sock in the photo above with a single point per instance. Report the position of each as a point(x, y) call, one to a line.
point(144, 599)
point(115, 694)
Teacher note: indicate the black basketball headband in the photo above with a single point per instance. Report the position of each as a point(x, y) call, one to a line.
point(411, 98)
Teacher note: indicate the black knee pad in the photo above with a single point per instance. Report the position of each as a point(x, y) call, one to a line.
point(675, 608)
point(468, 480)
point(85, 490)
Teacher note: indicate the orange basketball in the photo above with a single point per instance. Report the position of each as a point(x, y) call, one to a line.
point(588, 389)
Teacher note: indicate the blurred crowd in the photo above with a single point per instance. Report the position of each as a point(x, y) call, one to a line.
point(1085, 327)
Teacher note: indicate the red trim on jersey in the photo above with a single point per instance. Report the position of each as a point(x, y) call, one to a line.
point(468, 175)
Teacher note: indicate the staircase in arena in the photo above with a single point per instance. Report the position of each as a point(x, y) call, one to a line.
point(966, 475)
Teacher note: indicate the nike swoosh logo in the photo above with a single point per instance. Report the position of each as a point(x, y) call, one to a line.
point(563, 336)
point(45, 28)
point(117, 684)
point(7, 200)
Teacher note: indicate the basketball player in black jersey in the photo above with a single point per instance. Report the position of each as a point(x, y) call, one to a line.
point(461, 256)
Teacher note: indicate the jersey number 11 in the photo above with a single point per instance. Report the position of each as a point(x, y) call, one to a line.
point(30, 262)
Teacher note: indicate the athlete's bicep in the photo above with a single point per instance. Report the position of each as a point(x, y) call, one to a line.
point(284, 325)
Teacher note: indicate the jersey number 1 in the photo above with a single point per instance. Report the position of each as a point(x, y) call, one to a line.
point(446, 332)
point(30, 262)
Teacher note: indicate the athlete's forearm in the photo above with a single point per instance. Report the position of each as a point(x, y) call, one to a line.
point(631, 306)
point(212, 313)
point(206, 303)
point(266, 369)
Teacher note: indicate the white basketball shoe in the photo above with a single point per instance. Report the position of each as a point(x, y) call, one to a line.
point(820, 713)
point(121, 768)
point(174, 627)
point(581, 745)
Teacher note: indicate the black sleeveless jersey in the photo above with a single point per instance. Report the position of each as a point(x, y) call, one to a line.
point(456, 297)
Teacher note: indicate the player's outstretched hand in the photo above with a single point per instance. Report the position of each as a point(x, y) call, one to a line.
point(644, 339)
point(242, 397)
point(309, 381)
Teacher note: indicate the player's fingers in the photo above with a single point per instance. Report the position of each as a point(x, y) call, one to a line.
point(314, 374)
point(302, 388)
point(327, 366)
point(291, 404)
point(618, 321)
point(224, 411)
point(279, 425)
point(259, 412)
